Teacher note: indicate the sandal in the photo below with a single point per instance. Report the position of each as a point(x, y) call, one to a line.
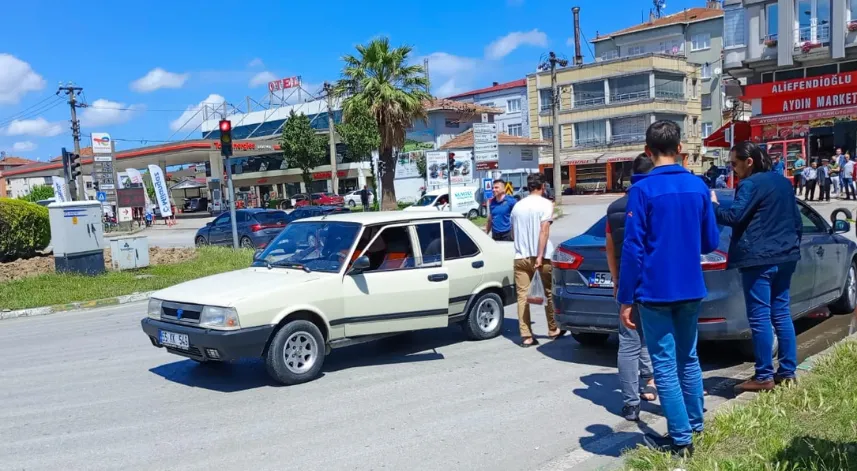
point(523, 343)
point(560, 334)
point(649, 389)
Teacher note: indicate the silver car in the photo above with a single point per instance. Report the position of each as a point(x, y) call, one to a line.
point(824, 277)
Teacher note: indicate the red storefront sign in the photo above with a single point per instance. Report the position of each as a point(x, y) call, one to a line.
point(805, 86)
point(809, 100)
point(246, 146)
point(283, 84)
point(327, 175)
point(807, 116)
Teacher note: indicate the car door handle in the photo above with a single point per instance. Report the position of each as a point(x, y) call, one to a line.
point(438, 277)
point(478, 264)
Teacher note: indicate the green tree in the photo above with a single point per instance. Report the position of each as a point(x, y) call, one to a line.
point(421, 165)
point(39, 193)
point(302, 147)
point(380, 80)
point(360, 135)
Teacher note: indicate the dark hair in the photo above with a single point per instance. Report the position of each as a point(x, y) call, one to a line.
point(535, 181)
point(663, 138)
point(500, 181)
point(642, 164)
point(747, 150)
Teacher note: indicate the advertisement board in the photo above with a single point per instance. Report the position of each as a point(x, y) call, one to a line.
point(439, 173)
point(101, 143)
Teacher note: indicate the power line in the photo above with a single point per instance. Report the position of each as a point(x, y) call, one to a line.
point(32, 112)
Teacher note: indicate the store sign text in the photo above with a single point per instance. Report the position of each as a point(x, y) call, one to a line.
point(327, 175)
point(801, 86)
point(245, 146)
point(811, 83)
point(788, 104)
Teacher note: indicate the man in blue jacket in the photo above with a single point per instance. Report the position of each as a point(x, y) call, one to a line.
point(669, 223)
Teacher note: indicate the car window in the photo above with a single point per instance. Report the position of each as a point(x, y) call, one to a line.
point(223, 220)
point(391, 250)
point(456, 243)
point(811, 221)
point(270, 217)
point(426, 200)
point(429, 237)
point(241, 216)
point(314, 246)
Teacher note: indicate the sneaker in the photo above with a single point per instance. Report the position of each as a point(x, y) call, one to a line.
point(631, 413)
point(783, 380)
point(754, 385)
point(666, 445)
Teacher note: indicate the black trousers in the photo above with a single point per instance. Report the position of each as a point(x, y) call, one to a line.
point(825, 191)
point(810, 189)
point(798, 182)
point(501, 236)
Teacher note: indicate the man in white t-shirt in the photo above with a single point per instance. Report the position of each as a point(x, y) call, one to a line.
point(531, 220)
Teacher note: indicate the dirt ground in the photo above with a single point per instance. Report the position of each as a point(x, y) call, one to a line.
point(45, 264)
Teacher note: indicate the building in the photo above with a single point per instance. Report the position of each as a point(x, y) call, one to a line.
point(9, 163)
point(511, 97)
point(605, 108)
point(799, 61)
point(697, 35)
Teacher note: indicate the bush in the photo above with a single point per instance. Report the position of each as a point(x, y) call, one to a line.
point(24, 229)
point(404, 204)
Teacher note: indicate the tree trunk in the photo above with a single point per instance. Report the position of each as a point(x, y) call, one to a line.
point(388, 177)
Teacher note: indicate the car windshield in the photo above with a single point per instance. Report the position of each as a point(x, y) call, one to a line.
point(312, 246)
point(426, 200)
point(271, 217)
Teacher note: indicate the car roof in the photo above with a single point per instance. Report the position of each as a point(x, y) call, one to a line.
point(384, 217)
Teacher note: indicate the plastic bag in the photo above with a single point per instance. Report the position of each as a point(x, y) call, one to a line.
point(536, 294)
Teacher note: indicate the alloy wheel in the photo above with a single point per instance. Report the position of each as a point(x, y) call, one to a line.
point(488, 314)
point(301, 352)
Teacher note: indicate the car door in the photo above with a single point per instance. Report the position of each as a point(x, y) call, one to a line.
point(463, 261)
point(219, 229)
point(398, 292)
point(819, 244)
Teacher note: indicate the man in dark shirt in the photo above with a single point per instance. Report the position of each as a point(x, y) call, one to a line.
point(635, 366)
point(499, 223)
point(364, 197)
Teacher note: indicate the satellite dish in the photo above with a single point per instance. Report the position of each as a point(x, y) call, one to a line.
point(717, 71)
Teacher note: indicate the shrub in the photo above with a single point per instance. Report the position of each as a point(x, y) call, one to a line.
point(24, 229)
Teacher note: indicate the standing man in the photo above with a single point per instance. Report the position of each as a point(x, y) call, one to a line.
point(531, 224)
point(810, 174)
point(825, 177)
point(635, 366)
point(364, 197)
point(669, 224)
point(797, 174)
point(847, 174)
point(499, 223)
point(840, 161)
point(779, 166)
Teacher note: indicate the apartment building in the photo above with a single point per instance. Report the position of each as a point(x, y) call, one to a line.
point(604, 110)
point(510, 98)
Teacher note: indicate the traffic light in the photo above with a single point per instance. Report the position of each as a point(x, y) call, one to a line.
point(225, 138)
point(73, 166)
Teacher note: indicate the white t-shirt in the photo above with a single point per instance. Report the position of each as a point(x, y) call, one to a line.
point(527, 218)
point(848, 170)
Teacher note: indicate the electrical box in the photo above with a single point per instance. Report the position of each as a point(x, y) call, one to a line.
point(127, 253)
point(77, 233)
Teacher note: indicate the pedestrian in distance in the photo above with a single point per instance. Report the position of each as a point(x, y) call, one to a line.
point(778, 165)
point(364, 197)
point(847, 175)
point(797, 174)
point(531, 221)
point(766, 231)
point(499, 223)
point(634, 364)
point(669, 223)
point(810, 175)
point(825, 179)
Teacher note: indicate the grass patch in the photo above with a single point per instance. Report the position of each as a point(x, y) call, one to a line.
point(808, 427)
point(53, 289)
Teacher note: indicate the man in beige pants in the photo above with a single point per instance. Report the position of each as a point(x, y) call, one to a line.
point(531, 220)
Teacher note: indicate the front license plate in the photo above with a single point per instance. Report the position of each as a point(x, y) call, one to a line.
point(172, 339)
point(601, 280)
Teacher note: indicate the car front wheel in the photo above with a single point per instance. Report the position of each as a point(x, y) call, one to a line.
point(848, 301)
point(246, 243)
point(351, 203)
point(296, 353)
point(485, 318)
point(200, 241)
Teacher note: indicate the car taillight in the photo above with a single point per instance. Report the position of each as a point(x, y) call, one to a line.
point(255, 228)
point(716, 260)
point(566, 259)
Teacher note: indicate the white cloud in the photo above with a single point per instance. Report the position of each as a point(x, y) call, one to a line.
point(256, 63)
point(448, 88)
point(24, 146)
point(502, 47)
point(39, 127)
point(192, 117)
point(445, 65)
point(16, 79)
point(262, 78)
point(103, 112)
point(158, 78)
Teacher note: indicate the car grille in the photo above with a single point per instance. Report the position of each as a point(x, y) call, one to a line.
point(192, 351)
point(186, 313)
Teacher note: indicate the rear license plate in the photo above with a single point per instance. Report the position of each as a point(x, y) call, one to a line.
point(601, 280)
point(172, 339)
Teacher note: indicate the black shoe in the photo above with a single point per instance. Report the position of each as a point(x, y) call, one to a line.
point(666, 445)
point(631, 413)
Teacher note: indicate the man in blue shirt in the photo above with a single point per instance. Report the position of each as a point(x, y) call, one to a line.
point(669, 223)
point(779, 166)
point(499, 223)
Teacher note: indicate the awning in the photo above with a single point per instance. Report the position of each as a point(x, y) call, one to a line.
point(583, 158)
point(623, 156)
point(187, 185)
point(720, 137)
point(805, 116)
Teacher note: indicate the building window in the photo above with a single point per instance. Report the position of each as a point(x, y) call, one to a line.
point(733, 27)
point(671, 47)
point(852, 10)
point(546, 99)
point(669, 86)
point(611, 54)
point(513, 106)
point(631, 88)
point(706, 101)
point(590, 133)
point(772, 17)
point(515, 130)
point(812, 20)
point(706, 71)
point(452, 123)
point(490, 104)
point(693, 86)
point(547, 133)
point(700, 41)
point(629, 130)
point(589, 94)
point(639, 50)
point(707, 129)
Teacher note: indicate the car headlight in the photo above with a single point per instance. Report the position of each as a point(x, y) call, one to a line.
point(223, 317)
point(154, 310)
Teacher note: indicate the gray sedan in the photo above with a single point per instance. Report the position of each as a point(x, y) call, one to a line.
point(826, 276)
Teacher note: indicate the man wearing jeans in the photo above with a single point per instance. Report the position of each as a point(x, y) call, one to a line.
point(669, 223)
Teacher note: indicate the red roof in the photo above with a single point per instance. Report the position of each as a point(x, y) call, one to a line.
point(465, 140)
point(12, 161)
point(494, 88)
point(691, 15)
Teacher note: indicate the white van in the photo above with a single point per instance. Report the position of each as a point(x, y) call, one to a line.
point(463, 201)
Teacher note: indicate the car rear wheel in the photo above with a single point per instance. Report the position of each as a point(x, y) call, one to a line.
point(200, 241)
point(472, 214)
point(848, 301)
point(485, 318)
point(351, 203)
point(590, 339)
point(246, 243)
point(296, 353)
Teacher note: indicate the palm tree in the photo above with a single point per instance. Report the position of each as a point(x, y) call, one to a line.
point(380, 79)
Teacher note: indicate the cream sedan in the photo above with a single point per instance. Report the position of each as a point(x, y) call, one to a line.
point(332, 281)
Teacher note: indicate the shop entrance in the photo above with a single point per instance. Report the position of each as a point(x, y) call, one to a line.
point(821, 143)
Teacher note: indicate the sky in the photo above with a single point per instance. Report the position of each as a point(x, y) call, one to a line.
point(145, 67)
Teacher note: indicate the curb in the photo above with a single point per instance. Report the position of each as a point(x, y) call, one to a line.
point(47, 310)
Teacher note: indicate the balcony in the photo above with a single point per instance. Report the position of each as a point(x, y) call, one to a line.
point(812, 37)
point(633, 138)
point(588, 102)
point(591, 142)
point(630, 96)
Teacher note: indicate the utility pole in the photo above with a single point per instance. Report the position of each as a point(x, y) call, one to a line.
point(331, 138)
point(551, 63)
point(72, 92)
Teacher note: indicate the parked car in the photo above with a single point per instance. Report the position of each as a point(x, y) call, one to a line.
point(195, 205)
point(353, 198)
point(256, 228)
point(825, 277)
point(319, 199)
point(310, 211)
point(332, 281)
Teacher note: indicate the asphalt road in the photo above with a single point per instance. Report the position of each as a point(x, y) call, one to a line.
point(86, 390)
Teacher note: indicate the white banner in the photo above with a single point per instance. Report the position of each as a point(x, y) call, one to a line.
point(60, 190)
point(162, 192)
point(134, 176)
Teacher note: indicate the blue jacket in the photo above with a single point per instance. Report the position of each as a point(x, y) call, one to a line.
point(765, 220)
point(669, 224)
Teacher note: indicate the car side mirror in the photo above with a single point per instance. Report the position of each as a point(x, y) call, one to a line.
point(360, 265)
point(841, 226)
